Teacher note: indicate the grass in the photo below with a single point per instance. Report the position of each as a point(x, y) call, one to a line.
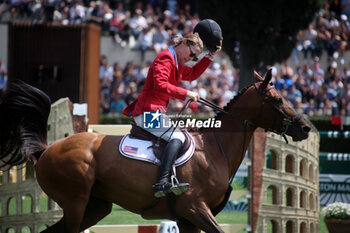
point(323, 227)
point(121, 216)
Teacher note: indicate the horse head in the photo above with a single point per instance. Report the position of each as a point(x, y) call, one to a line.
point(277, 114)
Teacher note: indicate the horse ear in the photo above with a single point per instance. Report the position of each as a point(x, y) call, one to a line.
point(257, 77)
point(267, 78)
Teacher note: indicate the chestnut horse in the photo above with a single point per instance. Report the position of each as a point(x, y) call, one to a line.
point(85, 173)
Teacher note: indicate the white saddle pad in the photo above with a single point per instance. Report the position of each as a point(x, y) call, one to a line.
point(141, 150)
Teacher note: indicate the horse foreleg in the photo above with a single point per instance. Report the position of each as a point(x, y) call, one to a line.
point(73, 214)
point(202, 217)
point(187, 227)
point(96, 210)
point(56, 228)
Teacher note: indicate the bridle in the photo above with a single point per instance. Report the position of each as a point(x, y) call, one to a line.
point(286, 122)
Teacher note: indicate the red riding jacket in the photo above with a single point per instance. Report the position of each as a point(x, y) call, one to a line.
point(162, 83)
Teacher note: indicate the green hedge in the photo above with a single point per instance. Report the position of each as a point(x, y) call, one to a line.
point(107, 119)
point(324, 124)
point(335, 145)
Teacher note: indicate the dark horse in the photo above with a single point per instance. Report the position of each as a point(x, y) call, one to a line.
point(85, 173)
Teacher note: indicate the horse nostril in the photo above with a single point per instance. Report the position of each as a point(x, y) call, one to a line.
point(306, 128)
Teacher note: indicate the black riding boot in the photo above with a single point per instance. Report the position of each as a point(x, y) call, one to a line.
point(163, 186)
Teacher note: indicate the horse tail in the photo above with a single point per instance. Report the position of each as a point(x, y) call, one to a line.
point(24, 111)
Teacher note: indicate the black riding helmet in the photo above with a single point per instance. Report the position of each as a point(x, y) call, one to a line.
point(210, 33)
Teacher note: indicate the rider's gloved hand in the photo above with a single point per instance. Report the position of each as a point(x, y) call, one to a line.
point(219, 47)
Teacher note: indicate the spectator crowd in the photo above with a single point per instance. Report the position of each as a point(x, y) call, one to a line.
point(314, 88)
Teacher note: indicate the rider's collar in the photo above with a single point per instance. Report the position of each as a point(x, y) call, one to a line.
point(171, 49)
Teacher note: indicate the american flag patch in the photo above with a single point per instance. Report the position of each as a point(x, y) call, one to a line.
point(130, 149)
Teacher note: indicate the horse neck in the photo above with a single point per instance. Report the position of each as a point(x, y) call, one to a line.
point(234, 136)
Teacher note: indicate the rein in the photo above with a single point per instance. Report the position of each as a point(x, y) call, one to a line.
point(246, 123)
point(217, 108)
point(173, 128)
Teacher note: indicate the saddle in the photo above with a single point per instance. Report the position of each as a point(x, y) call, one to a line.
point(158, 146)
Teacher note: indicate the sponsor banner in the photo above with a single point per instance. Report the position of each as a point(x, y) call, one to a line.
point(334, 188)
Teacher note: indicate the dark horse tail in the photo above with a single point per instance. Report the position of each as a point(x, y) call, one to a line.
point(24, 111)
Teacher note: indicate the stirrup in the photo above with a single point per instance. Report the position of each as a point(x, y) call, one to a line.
point(177, 188)
point(162, 189)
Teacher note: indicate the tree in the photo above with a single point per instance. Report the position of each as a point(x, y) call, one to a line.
point(258, 33)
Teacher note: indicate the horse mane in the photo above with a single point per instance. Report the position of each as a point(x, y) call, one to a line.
point(228, 105)
point(232, 101)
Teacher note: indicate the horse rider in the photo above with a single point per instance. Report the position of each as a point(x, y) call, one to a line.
point(163, 78)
